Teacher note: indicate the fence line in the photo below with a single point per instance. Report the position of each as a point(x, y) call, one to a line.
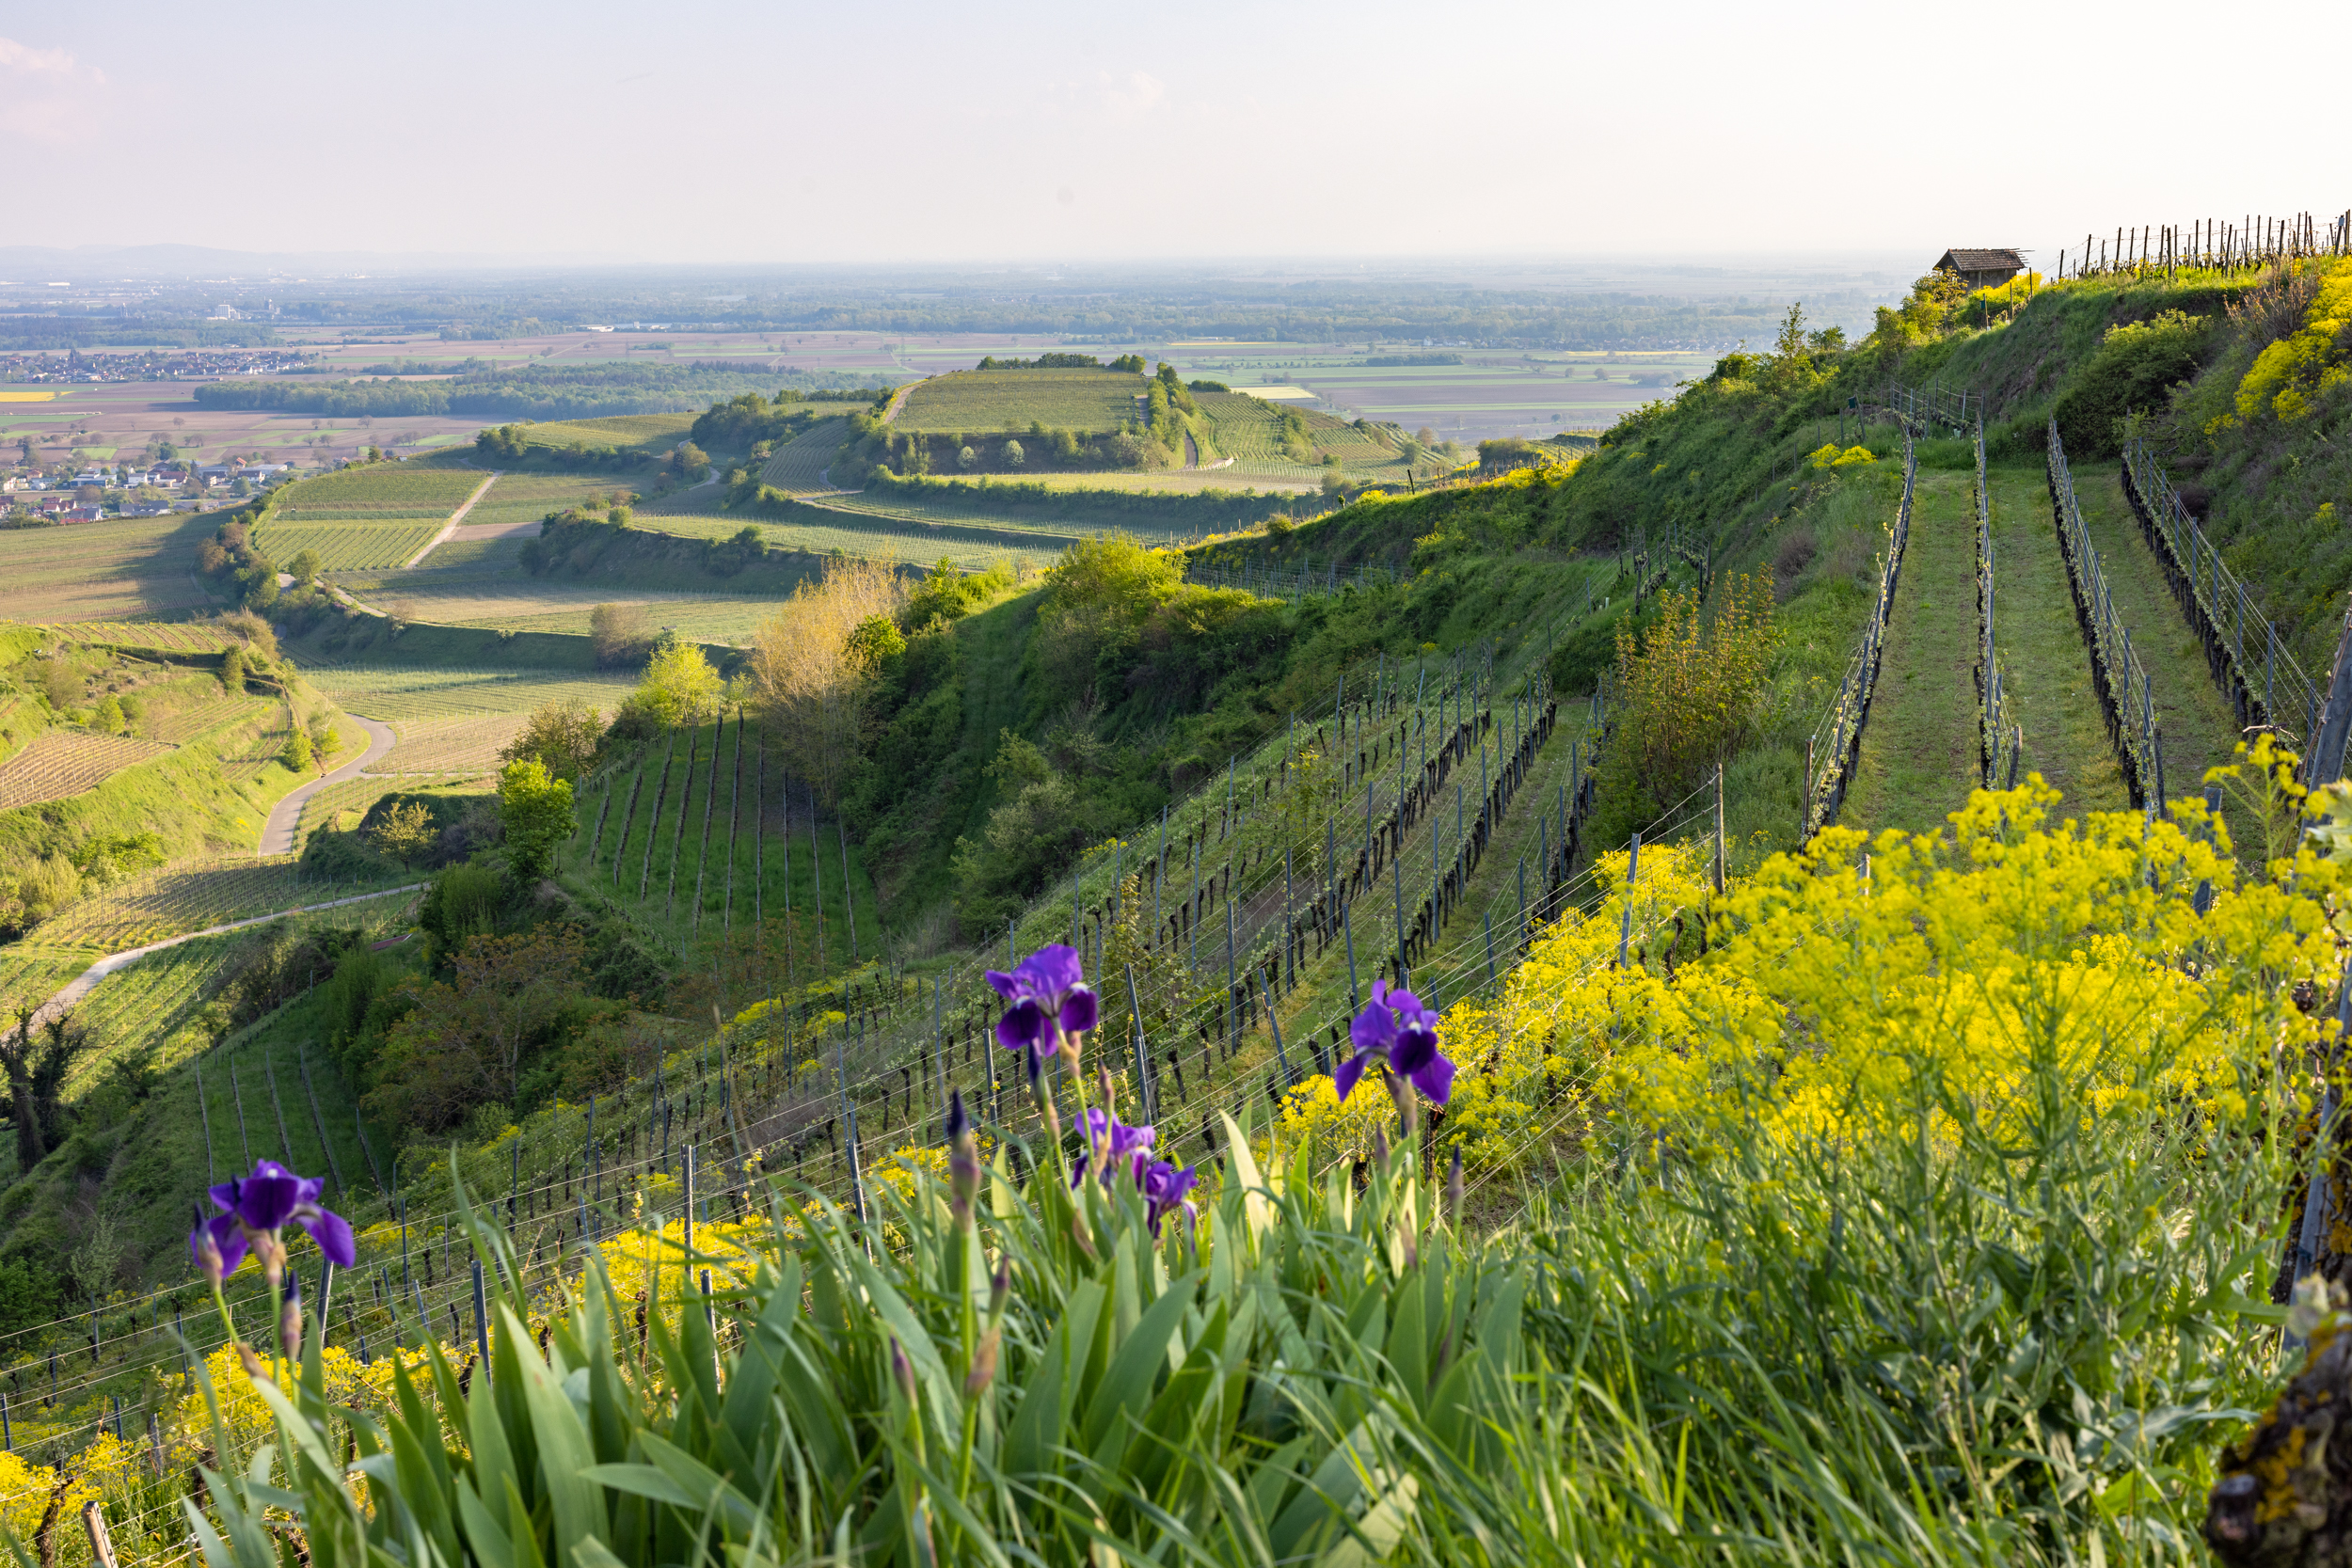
point(2272, 688)
point(1994, 722)
point(1830, 770)
point(2115, 665)
point(2253, 241)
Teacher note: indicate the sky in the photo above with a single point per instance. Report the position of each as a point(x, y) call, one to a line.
point(748, 132)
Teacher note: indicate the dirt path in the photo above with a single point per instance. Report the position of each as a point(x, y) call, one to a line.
point(277, 834)
point(454, 518)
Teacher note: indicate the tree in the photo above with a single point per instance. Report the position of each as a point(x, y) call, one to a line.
point(405, 832)
point(467, 1040)
point(296, 755)
point(680, 688)
point(326, 741)
point(536, 813)
point(1014, 457)
point(619, 632)
point(562, 736)
point(965, 457)
point(305, 568)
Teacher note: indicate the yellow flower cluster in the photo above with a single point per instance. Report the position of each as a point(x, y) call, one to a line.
point(1527, 1058)
point(1828, 456)
point(2285, 376)
point(1841, 987)
point(1336, 1129)
point(1849, 983)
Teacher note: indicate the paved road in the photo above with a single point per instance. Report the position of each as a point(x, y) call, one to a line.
point(82, 983)
point(277, 834)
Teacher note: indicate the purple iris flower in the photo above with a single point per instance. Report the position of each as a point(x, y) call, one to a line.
point(1164, 1189)
point(1120, 1143)
point(1398, 1030)
point(1049, 998)
point(261, 1204)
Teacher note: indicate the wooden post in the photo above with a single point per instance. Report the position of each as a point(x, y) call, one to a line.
point(102, 1549)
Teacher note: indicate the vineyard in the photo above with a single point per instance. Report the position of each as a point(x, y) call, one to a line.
point(138, 637)
point(700, 840)
point(869, 530)
point(798, 467)
point(379, 490)
point(340, 807)
point(208, 715)
point(110, 571)
point(518, 498)
point(400, 696)
point(462, 745)
point(56, 766)
point(1084, 401)
point(1250, 430)
point(356, 543)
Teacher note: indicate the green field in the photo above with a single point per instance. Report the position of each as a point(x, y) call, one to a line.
point(650, 432)
point(1249, 430)
point(1087, 401)
point(527, 497)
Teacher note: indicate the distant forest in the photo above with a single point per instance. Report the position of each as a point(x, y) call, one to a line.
point(528, 393)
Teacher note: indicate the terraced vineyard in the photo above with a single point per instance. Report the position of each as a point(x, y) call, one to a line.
point(171, 899)
point(466, 746)
point(1088, 401)
point(518, 498)
point(798, 467)
point(876, 533)
point(1250, 430)
point(58, 765)
point(140, 636)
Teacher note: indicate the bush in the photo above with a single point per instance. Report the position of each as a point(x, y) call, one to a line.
point(2129, 374)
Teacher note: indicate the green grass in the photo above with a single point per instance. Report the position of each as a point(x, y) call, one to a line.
point(1086, 401)
point(2193, 718)
point(1920, 749)
point(2042, 648)
point(828, 530)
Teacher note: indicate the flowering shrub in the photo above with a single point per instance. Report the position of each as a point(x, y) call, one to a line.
point(2288, 374)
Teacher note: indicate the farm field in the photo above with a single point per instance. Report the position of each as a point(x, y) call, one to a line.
point(649, 433)
point(128, 416)
point(184, 724)
point(340, 807)
point(1084, 401)
point(58, 765)
point(111, 571)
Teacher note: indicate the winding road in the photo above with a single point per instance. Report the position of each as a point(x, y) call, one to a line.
point(277, 834)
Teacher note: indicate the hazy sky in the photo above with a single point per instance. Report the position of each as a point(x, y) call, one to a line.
point(730, 130)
